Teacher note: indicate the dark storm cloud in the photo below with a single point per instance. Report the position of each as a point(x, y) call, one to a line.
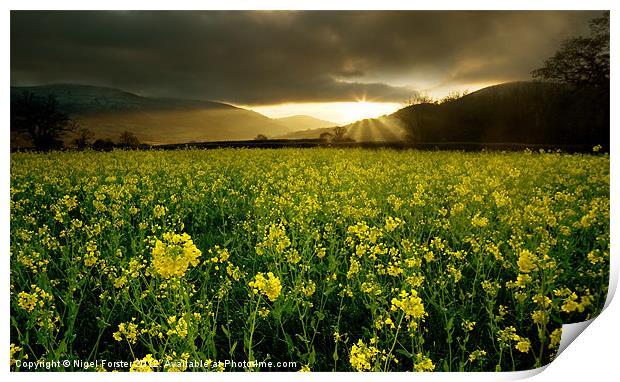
point(270, 57)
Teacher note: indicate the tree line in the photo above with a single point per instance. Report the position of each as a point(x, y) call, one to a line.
point(40, 120)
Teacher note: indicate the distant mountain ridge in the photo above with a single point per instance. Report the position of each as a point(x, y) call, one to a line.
point(77, 98)
point(304, 122)
point(108, 112)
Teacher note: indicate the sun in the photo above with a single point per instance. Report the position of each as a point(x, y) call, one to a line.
point(362, 109)
point(341, 113)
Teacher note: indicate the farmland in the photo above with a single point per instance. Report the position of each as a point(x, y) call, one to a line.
point(335, 259)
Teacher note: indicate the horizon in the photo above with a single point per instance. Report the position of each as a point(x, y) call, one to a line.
point(326, 112)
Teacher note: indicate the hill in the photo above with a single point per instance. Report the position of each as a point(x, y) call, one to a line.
point(107, 112)
point(515, 113)
point(304, 122)
point(511, 113)
point(382, 129)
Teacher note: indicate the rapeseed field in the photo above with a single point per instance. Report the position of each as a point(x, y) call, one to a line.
point(326, 259)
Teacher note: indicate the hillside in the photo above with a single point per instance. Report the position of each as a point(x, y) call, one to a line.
point(516, 112)
point(307, 134)
point(108, 112)
point(297, 123)
point(382, 129)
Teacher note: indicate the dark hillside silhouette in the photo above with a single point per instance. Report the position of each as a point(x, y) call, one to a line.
point(520, 112)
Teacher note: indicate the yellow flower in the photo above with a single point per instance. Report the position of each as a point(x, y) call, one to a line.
point(354, 268)
point(146, 364)
point(490, 287)
point(37, 298)
point(362, 356)
point(523, 345)
point(263, 312)
point(392, 223)
point(308, 288)
point(275, 240)
point(129, 331)
point(570, 303)
point(468, 326)
point(178, 327)
point(526, 261)
point(159, 211)
point(14, 349)
point(522, 280)
point(540, 317)
point(173, 255)
point(555, 337)
point(27, 301)
point(293, 256)
point(270, 286)
point(92, 254)
point(541, 300)
point(476, 354)
point(508, 334)
point(410, 304)
point(305, 369)
point(423, 363)
point(479, 221)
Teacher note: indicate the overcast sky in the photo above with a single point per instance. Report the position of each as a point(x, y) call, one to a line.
point(265, 58)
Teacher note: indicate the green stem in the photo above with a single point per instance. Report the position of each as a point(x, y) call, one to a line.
point(387, 359)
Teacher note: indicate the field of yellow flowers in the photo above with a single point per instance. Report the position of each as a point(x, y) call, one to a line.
point(336, 260)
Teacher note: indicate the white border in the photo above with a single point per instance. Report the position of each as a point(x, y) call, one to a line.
point(593, 355)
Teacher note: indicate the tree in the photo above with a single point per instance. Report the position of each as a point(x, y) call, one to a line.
point(453, 96)
point(40, 120)
point(103, 144)
point(418, 99)
point(260, 137)
point(326, 137)
point(339, 133)
point(82, 138)
point(581, 61)
point(128, 139)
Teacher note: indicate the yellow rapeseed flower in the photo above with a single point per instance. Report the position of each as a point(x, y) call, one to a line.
point(146, 364)
point(270, 286)
point(173, 255)
point(423, 363)
point(523, 345)
point(362, 356)
point(526, 261)
point(410, 304)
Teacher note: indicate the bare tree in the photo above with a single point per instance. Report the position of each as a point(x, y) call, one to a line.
point(453, 96)
point(83, 138)
point(40, 120)
point(418, 99)
point(128, 139)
